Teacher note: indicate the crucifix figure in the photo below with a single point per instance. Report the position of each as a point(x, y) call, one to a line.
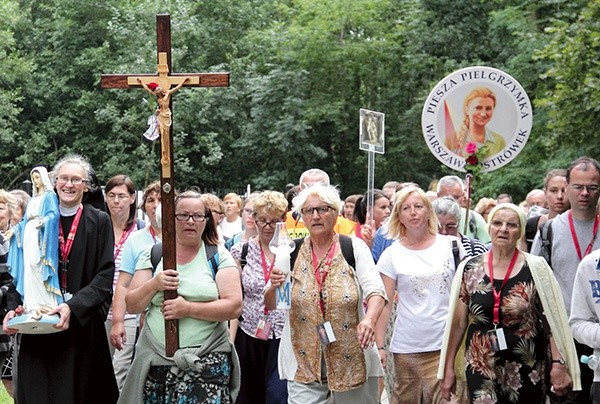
point(163, 98)
point(159, 85)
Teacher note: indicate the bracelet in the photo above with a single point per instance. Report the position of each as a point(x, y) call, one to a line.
point(381, 348)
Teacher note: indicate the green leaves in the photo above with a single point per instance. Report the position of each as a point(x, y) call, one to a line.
point(300, 72)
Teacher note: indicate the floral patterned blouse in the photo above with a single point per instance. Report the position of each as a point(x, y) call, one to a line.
point(518, 374)
point(253, 284)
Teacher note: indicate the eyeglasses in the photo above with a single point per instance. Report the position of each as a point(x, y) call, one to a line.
point(184, 217)
point(247, 211)
point(590, 188)
point(509, 225)
point(117, 197)
point(264, 223)
point(74, 180)
point(321, 210)
point(449, 227)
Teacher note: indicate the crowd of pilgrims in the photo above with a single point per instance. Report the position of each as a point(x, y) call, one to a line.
point(423, 297)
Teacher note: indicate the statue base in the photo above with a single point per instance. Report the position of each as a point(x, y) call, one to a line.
point(26, 324)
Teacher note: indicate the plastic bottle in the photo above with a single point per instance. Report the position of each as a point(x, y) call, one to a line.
point(282, 246)
point(593, 361)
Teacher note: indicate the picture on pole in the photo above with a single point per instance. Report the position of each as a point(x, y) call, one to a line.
point(478, 111)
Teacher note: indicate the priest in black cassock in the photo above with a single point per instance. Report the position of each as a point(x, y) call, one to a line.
point(73, 365)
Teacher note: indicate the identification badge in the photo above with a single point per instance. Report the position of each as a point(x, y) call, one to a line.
point(326, 334)
point(263, 329)
point(497, 339)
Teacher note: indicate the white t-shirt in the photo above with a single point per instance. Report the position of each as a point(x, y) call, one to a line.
point(230, 229)
point(423, 282)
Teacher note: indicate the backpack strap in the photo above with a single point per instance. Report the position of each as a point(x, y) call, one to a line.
point(345, 246)
point(546, 241)
point(531, 229)
point(455, 253)
point(155, 255)
point(472, 223)
point(347, 250)
point(294, 254)
point(212, 256)
point(244, 255)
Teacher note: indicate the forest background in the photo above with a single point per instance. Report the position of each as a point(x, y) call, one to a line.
point(300, 72)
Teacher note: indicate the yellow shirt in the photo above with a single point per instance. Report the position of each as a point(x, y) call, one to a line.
point(297, 228)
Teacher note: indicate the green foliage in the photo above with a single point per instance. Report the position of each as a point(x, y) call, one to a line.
point(573, 95)
point(300, 72)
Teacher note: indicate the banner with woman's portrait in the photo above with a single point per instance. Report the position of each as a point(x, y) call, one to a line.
point(477, 108)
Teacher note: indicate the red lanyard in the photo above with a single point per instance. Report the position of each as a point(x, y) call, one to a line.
point(266, 271)
point(495, 292)
point(152, 233)
point(576, 240)
point(124, 237)
point(66, 245)
point(320, 276)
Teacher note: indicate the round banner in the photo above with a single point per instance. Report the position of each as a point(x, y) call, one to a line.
point(478, 110)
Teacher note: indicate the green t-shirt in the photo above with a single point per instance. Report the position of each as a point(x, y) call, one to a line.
point(196, 284)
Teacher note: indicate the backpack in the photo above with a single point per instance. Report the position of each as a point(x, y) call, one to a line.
point(212, 255)
point(546, 241)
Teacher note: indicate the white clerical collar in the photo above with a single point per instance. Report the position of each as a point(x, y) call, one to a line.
point(65, 211)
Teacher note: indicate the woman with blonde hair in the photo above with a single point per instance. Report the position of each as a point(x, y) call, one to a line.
point(420, 266)
point(478, 110)
point(259, 331)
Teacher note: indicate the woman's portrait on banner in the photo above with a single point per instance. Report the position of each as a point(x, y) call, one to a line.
point(477, 111)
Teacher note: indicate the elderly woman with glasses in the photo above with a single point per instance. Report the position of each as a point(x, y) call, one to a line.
point(204, 368)
point(327, 347)
point(518, 342)
point(448, 213)
point(73, 365)
point(259, 332)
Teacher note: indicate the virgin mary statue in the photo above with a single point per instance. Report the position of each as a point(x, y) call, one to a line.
point(33, 255)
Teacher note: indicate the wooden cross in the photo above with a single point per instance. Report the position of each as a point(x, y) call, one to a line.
point(160, 85)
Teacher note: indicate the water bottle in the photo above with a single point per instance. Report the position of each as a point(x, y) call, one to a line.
point(593, 361)
point(282, 246)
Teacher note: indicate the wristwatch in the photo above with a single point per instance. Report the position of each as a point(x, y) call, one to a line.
point(560, 361)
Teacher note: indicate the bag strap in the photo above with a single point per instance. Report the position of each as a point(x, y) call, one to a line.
point(155, 255)
point(244, 255)
point(531, 229)
point(212, 256)
point(455, 253)
point(345, 246)
point(472, 223)
point(546, 241)
point(294, 254)
point(347, 250)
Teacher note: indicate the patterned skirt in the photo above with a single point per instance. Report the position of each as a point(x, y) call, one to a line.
point(207, 383)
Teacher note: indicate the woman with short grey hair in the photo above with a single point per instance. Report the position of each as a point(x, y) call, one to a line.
point(448, 213)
